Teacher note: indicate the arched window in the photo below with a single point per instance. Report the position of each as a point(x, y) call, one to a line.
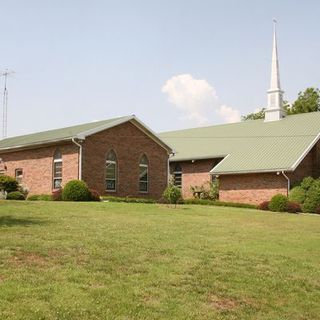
point(111, 171)
point(177, 176)
point(143, 174)
point(57, 169)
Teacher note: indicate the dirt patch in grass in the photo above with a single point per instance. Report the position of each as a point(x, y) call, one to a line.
point(22, 258)
point(223, 304)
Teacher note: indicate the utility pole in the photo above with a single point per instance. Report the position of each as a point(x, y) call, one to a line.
point(5, 74)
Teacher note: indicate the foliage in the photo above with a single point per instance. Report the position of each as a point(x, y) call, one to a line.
point(264, 206)
point(76, 190)
point(306, 183)
point(208, 191)
point(128, 199)
point(57, 195)
point(312, 197)
point(255, 115)
point(308, 101)
point(94, 195)
point(8, 184)
point(172, 194)
point(207, 202)
point(297, 194)
point(40, 197)
point(293, 207)
point(278, 203)
point(15, 195)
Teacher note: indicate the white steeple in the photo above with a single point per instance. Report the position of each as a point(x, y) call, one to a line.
point(275, 109)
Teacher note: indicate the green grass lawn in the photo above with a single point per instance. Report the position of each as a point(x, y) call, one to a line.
point(145, 261)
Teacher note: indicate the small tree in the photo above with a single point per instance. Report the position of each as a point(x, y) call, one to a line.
point(172, 194)
point(8, 184)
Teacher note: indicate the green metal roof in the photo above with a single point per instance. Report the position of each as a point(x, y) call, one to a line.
point(79, 131)
point(249, 146)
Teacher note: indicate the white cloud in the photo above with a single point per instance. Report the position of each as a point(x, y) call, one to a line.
point(197, 99)
point(229, 114)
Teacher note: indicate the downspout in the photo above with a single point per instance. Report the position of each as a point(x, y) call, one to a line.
point(80, 158)
point(168, 167)
point(288, 181)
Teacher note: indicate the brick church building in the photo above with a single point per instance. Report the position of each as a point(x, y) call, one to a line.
point(120, 157)
point(253, 160)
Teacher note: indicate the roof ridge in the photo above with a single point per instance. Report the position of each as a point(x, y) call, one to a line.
point(63, 128)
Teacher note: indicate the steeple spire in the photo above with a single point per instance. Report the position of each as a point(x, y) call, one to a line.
point(275, 109)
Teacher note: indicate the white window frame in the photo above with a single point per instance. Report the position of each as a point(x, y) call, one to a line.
point(20, 176)
point(144, 165)
point(114, 162)
point(55, 178)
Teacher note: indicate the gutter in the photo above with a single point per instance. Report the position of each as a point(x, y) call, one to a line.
point(80, 157)
point(288, 181)
point(168, 167)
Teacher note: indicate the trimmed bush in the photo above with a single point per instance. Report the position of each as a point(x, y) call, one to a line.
point(94, 195)
point(127, 199)
point(293, 207)
point(278, 203)
point(219, 203)
point(76, 190)
point(8, 184)
point(306, 183)
point(40, 197)
point(57, 195)
point(172, 194)
point(297, 194)
point(264, 206)
point(312, 198)
point(15, 195)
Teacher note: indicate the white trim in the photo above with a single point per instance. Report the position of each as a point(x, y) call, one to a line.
point(312, 144)
point(198, 158)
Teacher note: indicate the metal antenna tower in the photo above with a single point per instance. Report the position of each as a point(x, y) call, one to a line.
point(5, 74)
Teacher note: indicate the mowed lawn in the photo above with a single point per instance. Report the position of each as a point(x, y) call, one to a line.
point(145, 261)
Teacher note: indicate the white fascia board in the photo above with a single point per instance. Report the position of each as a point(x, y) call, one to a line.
point(299, 160)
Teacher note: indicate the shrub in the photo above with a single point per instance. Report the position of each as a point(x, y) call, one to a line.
point(76, 190)
point(57, 195)
point(208, 191)
point(297, 194)
point(15, 195)
point(172, 194)
point(40, 197)
point(293, 207)
point(94, 195)
point(219, 203)
point(278, 203)
point(312, 197)
point(128, 199)
point(8, 184)
point(264, 206)
point(306, 183)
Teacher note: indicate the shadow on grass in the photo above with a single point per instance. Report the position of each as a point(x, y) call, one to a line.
point(9, 221)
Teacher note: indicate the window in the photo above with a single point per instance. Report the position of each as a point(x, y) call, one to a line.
point(111, 171)
point(19, 175)
point(57, 169)
point(177, 176)
point(143, 174)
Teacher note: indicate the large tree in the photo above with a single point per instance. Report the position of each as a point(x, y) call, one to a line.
point(307, 101)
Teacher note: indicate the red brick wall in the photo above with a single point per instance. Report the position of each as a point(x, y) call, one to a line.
point(37, 166)
point(251, 188)
point(194, 174)
point(129, 144)
point(310, 166)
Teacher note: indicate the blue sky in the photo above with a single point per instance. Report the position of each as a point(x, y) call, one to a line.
point(174, 64)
